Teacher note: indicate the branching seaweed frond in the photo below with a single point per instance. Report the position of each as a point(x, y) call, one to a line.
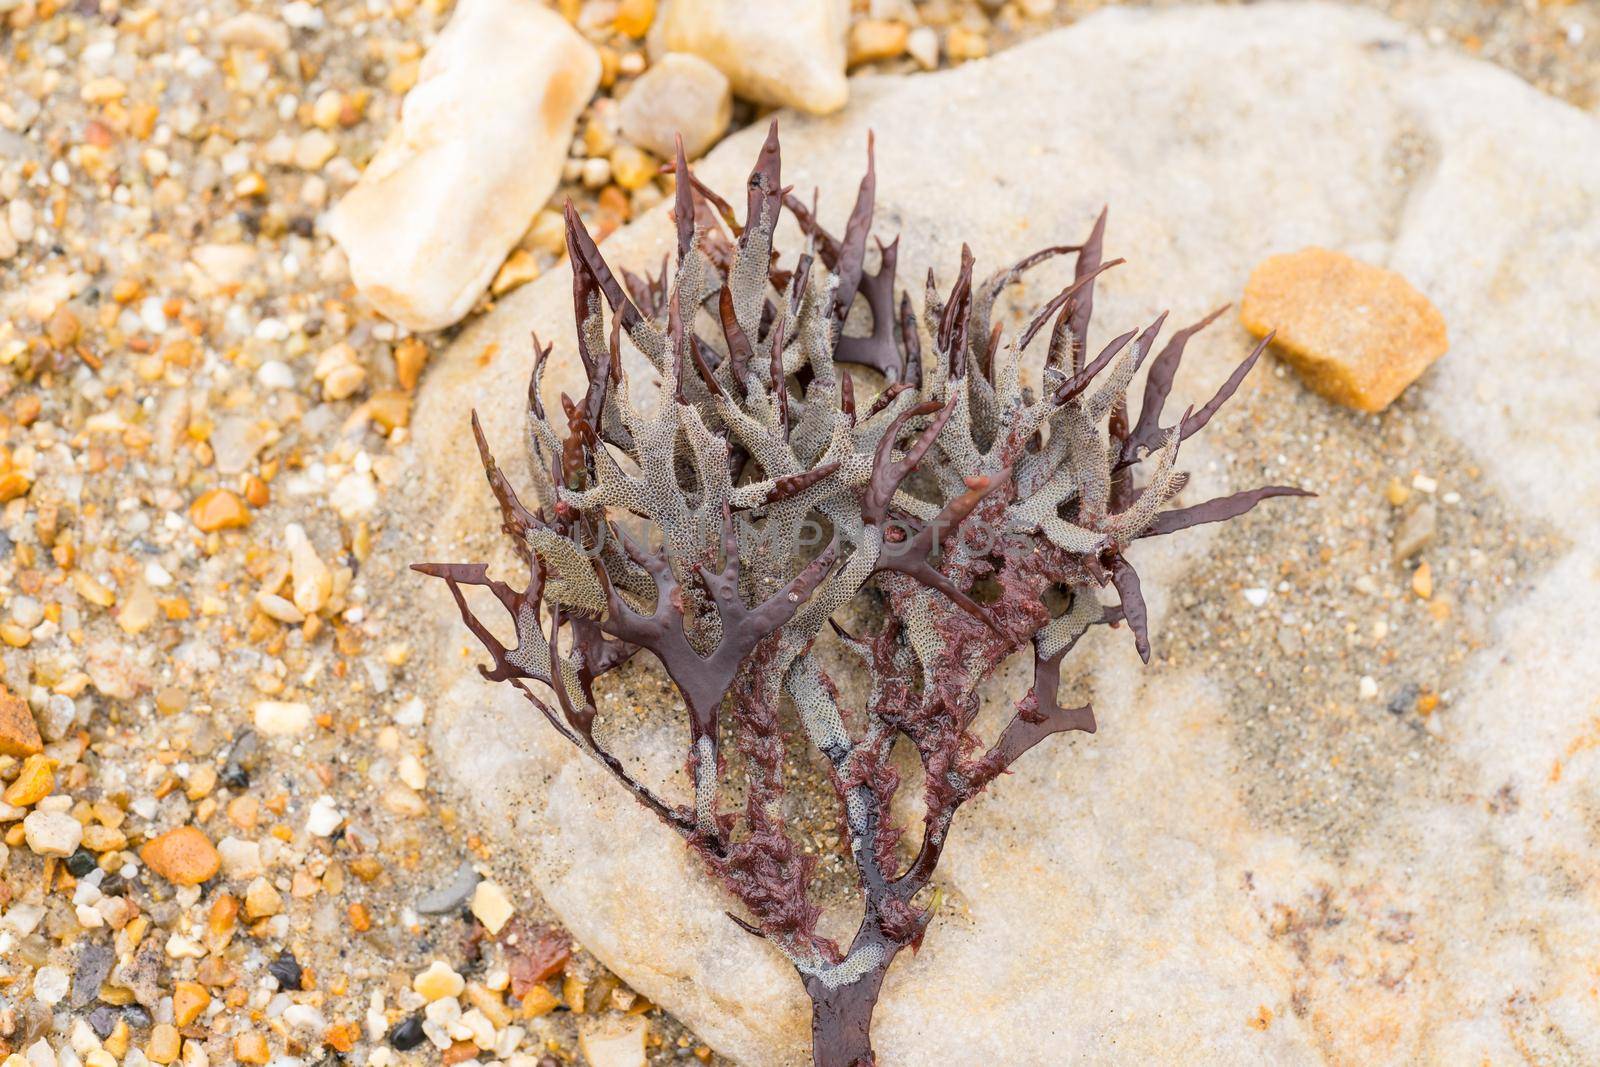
point(722, 524)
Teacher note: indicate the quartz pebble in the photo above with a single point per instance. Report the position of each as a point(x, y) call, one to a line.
point(250, 30)
point(324, 817)
point(480, 146)
point(50, 985)
point(225, 264)
point(52, 833)
point(282, 717)
point(614, 1042)
point(313, 581)
point(240, 859)
point(682, 95)
point(784, 52)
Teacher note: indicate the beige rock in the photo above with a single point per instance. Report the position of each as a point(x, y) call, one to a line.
point(276, 607)
point(250, 30)
point(875, 39)
point(785, 52)
point(1358, 334)
point(491, 906)
point(139, 611)
point(261, 899)
point(225, 264)
point(314, 148)
point(614, 1042)
point(923, 45)
point(313, 581)
point(282, 718)
point(681, 95)
point(479, 148)
point(1133, 897)
point(52, 833)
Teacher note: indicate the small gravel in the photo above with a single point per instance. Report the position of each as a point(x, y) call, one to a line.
point(226, 847)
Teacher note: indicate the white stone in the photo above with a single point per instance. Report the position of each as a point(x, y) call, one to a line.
point(240, 859)
point(313, 581)
point(1127, 898)
point(680, 95)
point(19, 214)
point(282, 717)
point(50, 985)
point(313, 149)
point(411, 771)
point(354, 495)
point(477, 1028)
point(225, 264)
point(305, 1019)
point(22, 918)
point(614, 1042)
point(236, 439)
point(52, 833)
point(479, 148)
point(785, 52)
point(324, 817)
point(922, 44)
point(275, 374)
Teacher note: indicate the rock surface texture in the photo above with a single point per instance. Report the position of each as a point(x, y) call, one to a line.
point(1358, 334)
point(479, 148)
point(1256, 859)
point(785, 52)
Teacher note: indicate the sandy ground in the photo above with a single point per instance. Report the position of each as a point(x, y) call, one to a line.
point(200, 421)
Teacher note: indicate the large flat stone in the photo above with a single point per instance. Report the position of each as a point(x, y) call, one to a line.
point(1248, 863)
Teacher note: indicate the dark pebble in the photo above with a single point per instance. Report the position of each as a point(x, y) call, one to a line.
point(1406, 699)
point(80, 863)
point(451, 896)
point(103, 1019)
point(286, 969)
point(407, 1033)
point(241, 760)
point(90, 971)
